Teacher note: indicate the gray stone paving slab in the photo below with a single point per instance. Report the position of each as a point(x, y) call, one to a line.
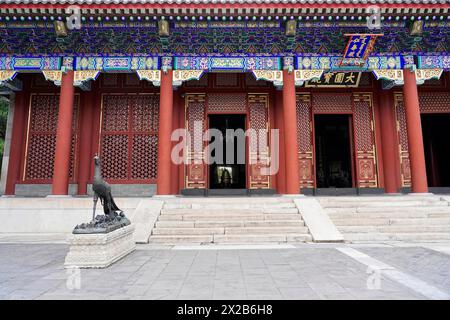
point(35, 271)
point(428, 265)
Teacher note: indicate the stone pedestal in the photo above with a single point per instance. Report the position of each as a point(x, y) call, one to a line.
point(99, 250)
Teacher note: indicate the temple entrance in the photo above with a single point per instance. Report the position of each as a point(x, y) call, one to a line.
point(333, 151)
point(436, 130)
point(228, 170)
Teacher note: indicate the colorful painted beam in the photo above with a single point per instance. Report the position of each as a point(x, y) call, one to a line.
point(325, 62)
point(117, 64)
point(30, 63)
point(227, 63)
point(434, 62)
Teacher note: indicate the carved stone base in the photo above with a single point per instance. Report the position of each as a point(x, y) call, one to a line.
point(99, 250)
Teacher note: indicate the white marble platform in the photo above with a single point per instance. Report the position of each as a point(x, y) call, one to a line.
point(99, 250)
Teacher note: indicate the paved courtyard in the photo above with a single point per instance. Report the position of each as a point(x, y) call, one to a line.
point(306, 271)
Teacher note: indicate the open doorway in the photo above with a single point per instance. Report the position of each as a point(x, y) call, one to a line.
point(333, 151)
point(436, 133)
point(228, 172)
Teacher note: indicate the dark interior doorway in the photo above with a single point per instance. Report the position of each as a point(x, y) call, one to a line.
point(333, 151)
point(231, 175)
point(436, 140)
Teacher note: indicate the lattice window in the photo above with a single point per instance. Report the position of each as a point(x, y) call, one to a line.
point(195, 119)
point(434, 102)
point(363, 125)
point(366, 164)
point(304, 140)
point(258, 121)
point(129, 138)
point(304, 134)
point(227, 102)
point(332, 102)
point(40, 153)
point(401, 121)
point(259, 145)
point(227, 80)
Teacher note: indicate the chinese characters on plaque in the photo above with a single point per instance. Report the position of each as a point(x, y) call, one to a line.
point(358, 49)
point(336, 80)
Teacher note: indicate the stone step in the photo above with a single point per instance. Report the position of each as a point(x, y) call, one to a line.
point(227, 200)
point(396, 236)
point(207, 211)
point(372, 215)
point(187, 231)
point(236, 223)
point(389, 221)
point(229, 220)
point(174, 224)
point(184, 239)
point(436, 209)
point(395, 229)
point(228, 217)
point(218, 217)
point(384, 198)
point(370, 204)
point(261, 238)
point(265, 230)
point(275, 223)
point(223, 206)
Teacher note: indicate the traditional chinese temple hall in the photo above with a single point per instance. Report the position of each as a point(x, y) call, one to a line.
point(338, 107)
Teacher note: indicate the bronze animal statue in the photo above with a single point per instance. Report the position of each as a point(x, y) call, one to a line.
point(102, 191)
point(113, 217)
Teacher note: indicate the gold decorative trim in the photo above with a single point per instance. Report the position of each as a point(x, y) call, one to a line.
point(6, 75)
point(388, 74)
point(269, 75)
point(427, 74)
point(53, 75)
point(301, 76)
point(153, 76)
point(83, 76)
point(179, 76)
point(396, 76)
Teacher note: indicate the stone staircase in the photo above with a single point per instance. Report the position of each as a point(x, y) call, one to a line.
point(237, 220)
point(390, 218)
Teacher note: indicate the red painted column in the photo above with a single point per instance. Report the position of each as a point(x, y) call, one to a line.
point(85, 152)
point(17, 141)
point(281, 176)
point(388, 141)
point(64, 136)
point(415, 138)
point(175, 121)
point(290, 134)
point(165, 130)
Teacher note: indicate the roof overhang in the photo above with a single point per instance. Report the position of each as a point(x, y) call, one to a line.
point(227, 7)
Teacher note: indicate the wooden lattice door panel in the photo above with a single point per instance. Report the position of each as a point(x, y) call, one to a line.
point(129, 137)
point(429, 102)
point(366, 163)
point(41, 138)
point(305, 140)
point(259, 147)
point(402, 133)
point(196, 125)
